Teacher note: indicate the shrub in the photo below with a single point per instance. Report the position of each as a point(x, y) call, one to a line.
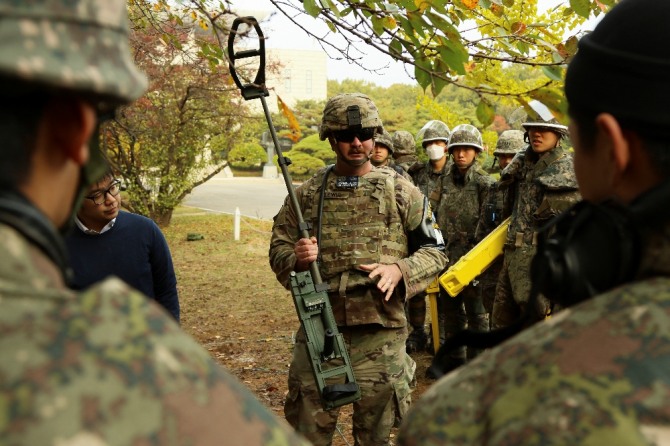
point(248, 155)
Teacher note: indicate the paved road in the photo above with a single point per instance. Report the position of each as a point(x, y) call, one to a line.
point(256, 197)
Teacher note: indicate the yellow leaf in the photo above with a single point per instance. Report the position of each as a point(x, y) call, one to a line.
point(471, 4)
point(292, 121)
point(421, 5)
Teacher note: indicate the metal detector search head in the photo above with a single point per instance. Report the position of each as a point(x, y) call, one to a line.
point(257, 88)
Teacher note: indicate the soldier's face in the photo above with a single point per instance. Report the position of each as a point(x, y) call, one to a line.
point(464, 156)
point(542, 139)
point(354, 153)
point(380, 155)
point(504, 160)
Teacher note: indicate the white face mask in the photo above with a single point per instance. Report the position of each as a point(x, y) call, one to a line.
point(435, 152)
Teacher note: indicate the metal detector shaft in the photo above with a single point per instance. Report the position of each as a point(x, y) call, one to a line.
point(331, 365)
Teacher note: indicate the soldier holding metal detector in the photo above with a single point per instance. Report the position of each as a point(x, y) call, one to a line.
point(375, 239)
point(377, 245)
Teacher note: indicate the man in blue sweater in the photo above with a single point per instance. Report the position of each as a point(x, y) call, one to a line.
point(108, 241)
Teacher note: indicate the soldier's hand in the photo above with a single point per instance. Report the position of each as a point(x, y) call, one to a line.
point(389, 277)
point(306, 250)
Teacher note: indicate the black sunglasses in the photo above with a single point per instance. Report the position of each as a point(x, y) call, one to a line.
point(348, 136)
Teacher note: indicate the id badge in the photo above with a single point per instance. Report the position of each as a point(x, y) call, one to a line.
point(346, 182)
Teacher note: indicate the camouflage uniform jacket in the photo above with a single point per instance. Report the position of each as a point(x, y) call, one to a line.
point(401, 170)
point(374, 222)
point(109, 367)
point(596, 374)
point(459, 202)
point(539, 189)
point(424, 176)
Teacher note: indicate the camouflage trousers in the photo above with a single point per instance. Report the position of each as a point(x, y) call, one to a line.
point(415, 310)
point(513, 288)
point(384, 373)
point(464, 311)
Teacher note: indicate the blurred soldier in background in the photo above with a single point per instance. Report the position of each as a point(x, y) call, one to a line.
point(458, 199)
point(539, 183)
point(595, 373)
point(434, 136)
point(105, 366)
point(404, 149)
point(382, 154)
point(377, 247)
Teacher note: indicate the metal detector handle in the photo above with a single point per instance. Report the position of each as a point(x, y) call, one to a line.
point(257, 88)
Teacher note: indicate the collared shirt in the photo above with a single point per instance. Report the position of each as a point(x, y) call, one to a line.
point(86, 230)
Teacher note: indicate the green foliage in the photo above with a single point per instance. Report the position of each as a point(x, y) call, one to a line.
point(315, 148)
point(302, 165)
point(247, 155)
point(179, 133)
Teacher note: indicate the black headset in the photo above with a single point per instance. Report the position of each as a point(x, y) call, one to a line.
point(587, 250)
point(592, 248)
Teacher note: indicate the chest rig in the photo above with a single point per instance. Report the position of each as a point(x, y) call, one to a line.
point(360, 224)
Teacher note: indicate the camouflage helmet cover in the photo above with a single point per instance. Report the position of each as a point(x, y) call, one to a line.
point(403, 143)
point(434, 130)
point(509, 143)
point(336, 114)
point(78, 45)
point(384, 138)
point(465, 135)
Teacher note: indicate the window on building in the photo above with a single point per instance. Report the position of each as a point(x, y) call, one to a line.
point(308, 82)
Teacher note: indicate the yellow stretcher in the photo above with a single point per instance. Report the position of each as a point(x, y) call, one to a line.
point(475, 262)
point(461, 273)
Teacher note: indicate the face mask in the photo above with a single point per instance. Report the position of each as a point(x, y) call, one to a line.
point(435, 152)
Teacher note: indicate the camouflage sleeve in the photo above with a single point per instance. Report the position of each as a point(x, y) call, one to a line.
point(428, 257)
point(282, 243)
point(109, 366)
point(589, 375)
point(489, 214)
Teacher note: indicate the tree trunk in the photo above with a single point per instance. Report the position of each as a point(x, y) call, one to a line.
point(162, 217)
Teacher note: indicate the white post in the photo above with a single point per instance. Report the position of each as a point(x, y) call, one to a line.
point(237, 224)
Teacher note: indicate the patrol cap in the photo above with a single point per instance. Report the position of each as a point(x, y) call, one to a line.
point(465, 135)
point(403, 143)
point(509, 143)
point(385, 139)
point(73, 45)
point(434, 130)
point(349, 111)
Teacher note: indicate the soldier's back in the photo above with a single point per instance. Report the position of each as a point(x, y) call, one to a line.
point(108, 366)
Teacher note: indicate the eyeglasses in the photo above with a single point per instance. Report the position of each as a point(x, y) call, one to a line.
point(348, 136)
point(99, 197)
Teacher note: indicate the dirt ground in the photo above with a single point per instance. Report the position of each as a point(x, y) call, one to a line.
point(233, 305)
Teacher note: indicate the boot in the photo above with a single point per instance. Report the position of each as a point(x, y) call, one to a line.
point(416, 341)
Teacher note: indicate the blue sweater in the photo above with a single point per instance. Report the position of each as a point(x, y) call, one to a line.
point(134, 250)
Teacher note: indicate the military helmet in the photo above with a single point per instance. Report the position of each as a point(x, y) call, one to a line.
point(384, 138)
point(543, 118)
point(465, 135)
point(403, 143)
point(80, 46)
point(509, 143)
point(434, 130)
point(349, 111)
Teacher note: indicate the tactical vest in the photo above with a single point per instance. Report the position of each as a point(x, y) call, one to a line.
point(359, 226)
